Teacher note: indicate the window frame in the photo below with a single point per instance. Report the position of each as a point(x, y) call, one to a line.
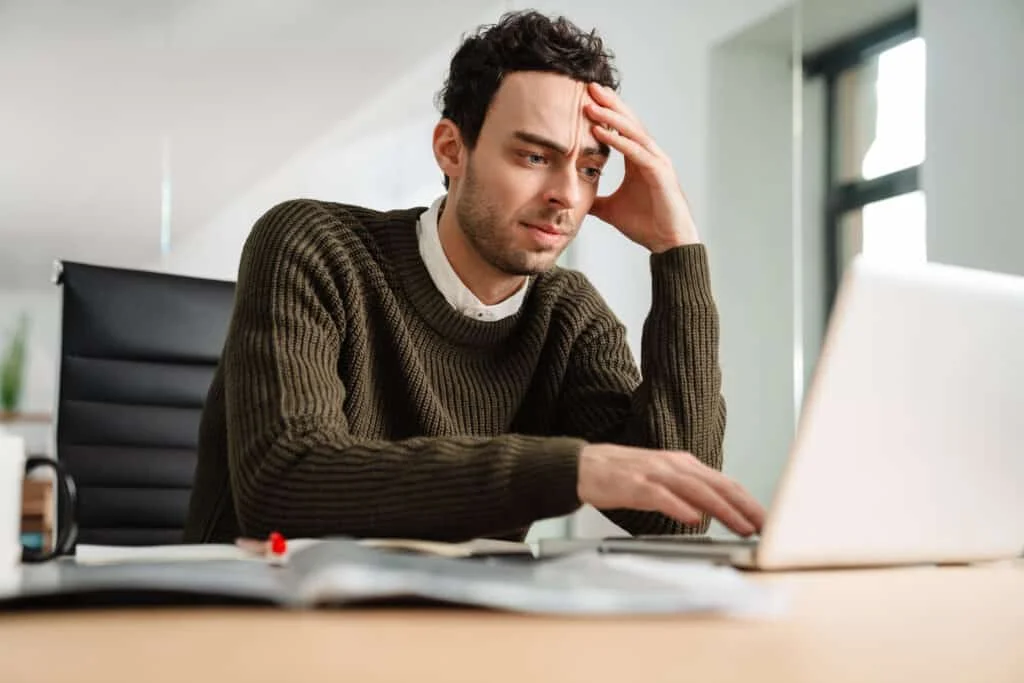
point(843, 197)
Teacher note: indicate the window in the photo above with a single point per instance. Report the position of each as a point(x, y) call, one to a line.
point(875, 89)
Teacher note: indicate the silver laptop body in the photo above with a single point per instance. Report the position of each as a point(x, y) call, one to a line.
point(910, 447)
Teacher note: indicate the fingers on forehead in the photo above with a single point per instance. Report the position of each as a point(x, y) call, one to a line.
point(583, 135)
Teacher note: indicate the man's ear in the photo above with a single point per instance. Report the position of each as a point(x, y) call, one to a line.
point(449, 150)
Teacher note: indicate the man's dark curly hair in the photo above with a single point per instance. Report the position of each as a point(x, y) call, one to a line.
point(520, 41)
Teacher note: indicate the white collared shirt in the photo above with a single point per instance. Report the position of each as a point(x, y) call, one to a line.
point(447, 281)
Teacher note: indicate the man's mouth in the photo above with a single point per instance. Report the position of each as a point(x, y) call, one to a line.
point(546, 235)
point(545, 228)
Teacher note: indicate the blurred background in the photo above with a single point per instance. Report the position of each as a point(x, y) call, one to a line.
point(151, 135)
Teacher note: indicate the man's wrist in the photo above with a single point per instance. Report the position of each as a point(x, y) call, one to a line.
point(681, 240)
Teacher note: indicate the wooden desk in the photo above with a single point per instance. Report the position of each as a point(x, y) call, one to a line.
point(913, 624)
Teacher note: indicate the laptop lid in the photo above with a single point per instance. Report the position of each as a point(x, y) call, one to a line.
point(910, 446)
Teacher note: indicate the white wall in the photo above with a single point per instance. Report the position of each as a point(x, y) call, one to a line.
point(751, 245)
point(379, 157)
point(975, 132)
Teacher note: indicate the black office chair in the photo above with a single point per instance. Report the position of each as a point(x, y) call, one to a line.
point(138, 353)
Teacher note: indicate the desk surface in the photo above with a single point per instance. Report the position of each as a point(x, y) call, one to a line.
point(909, 624)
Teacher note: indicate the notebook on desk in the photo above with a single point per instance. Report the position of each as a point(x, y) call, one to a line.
point(336, 573)
point(910, 448)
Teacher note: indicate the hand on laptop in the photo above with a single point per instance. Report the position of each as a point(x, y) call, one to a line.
point(674, 483)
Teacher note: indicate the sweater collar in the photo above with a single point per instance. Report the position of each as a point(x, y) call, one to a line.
point(395, 232)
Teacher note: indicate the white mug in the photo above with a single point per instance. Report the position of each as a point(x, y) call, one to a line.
point(14, 465)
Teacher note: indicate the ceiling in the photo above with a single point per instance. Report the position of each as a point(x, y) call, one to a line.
point(101, 98)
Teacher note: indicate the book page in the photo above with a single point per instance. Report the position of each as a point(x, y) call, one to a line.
point(475, 548)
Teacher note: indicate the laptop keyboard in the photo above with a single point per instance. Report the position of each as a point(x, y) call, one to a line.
point(691, 540)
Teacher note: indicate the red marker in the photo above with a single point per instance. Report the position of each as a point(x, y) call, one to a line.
point(278, 544)
point(274, 549)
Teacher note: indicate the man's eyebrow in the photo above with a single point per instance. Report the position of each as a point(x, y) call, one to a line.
point(602, 150)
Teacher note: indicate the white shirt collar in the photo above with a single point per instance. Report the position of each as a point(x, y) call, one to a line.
point(447, 281)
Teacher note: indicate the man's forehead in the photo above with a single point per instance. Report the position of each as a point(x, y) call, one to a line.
point(550, 105)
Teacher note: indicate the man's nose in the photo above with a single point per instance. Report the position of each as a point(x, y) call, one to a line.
point(564, 191)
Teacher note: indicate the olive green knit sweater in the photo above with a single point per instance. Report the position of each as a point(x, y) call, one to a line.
point(351, 399)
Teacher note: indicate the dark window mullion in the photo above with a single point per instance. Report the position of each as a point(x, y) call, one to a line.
point(831, 217)
point(853, 195)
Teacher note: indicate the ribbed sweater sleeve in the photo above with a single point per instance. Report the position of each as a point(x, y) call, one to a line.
point(294, 464)
point(678, 404)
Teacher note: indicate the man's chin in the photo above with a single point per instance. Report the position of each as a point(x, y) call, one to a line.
point(533, 265)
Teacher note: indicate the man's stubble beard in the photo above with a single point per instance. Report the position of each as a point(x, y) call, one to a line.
point(480, 223)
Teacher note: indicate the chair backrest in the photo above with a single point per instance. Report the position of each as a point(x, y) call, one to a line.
point(138, 353)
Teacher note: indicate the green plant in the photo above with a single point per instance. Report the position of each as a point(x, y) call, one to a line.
point(12, 368)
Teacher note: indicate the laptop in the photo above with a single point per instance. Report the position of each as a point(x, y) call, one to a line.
point(910, 446)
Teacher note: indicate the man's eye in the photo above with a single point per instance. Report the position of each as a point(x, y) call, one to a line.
point(535, 158)
point(592, 173)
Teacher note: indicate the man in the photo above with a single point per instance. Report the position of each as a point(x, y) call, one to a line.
point(433, 374)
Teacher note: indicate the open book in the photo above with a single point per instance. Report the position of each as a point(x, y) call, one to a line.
point(111, 554)
point(343, 572)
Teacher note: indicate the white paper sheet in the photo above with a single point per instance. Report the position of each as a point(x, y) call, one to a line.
point(110, 554)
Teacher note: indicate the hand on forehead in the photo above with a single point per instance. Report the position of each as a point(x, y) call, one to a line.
point(543, 104)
